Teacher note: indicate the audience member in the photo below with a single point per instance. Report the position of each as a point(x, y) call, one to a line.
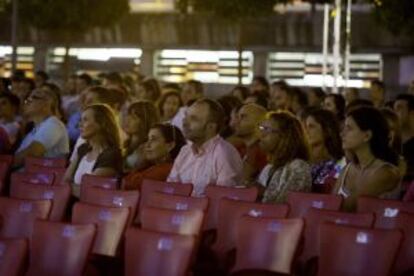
point(41, 77)
point(229, 104)
point(377, 93)
point(299, 101)
point(209, 159)
point(168, 106)
point(336, 104)
point(149, 90)
point(280, 96)
point(9, 120)
point(101, 153)
point(283, 138)
point(316, 95)
point(240, 92)
point(257, 98)
point(48, 138)
point(351, 94)
point(254, 159)
point(162, 147)
point(141, 117)
point(327, 160)
point(372, 168)
point(259, 85)
point(192, 91)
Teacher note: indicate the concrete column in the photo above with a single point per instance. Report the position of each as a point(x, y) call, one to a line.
point(147, 62)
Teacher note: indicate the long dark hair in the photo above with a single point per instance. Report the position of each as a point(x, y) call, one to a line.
point(369, 118)
point(340, 103)
point(171, 134)
point(330, 130)
point(292, 143)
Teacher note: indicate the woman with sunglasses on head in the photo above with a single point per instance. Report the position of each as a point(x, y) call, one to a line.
point(372, 170)
point(141, 116)
point(162, 147)
point(283, 139)
point(101, 153)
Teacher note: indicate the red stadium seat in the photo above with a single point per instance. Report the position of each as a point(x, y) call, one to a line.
point(13, 254)
point(300, 203)
point(19, 215)
point(177, 202)
point(33, 178)
point(347, 250)
point(59, 195)
point(181, 222)
point(215, 193)
point(152, 186)
point(58, 173)
point(60, 249)
point(111, 198)
point(314, 218)
point(111, 223)
point(385, 210)
point(267, 244)
point(230, 211)
point(45, 162)
point(89, 180)
point(7, 159)
point(4, 169)
point(152, 253)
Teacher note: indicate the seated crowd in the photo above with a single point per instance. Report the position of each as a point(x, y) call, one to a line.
point(274, 137)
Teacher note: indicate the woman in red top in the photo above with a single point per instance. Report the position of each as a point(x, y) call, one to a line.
point(163, 145)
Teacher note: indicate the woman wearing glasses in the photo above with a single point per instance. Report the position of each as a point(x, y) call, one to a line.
point(283, 138)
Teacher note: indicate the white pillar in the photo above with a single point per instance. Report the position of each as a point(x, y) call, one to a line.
point(347, 56)
point(337, 46)
point(325, 44)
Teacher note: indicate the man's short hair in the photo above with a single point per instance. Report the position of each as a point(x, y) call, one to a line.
point(86, 78)
point(215, 112)
point(114, 77)
point(378, 83)
point(408, 98)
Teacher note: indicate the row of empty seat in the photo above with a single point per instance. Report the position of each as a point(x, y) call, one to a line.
point(159, 229)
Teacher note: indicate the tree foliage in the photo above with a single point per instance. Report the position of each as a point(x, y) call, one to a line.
point(71, 16)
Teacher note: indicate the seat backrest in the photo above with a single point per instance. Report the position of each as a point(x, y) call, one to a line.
point(59, 195)
point(177, 202)
point(111, 198)
point(45, 162)
point(89, 180)
point(314, 218)
point(19, 215)
point(215, 193)
point(154, 253)
point(409, 194)
point(111, 223)
point(60, 248)
point(348, 250)
point(405, 259)
point(153, 186)
point(33, 178)
point(7, 159)
point(267, 244)
point(57, 172)
point(301, 202)
point(184, 222)
point(4, 169)
point(230, 211)
point(385, 210)
point(13, 254)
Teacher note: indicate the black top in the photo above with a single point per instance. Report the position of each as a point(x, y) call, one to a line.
point(109, 158)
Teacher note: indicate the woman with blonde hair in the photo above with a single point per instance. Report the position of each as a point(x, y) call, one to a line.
point(141, 116)
point(101, 154)
point(283, 139)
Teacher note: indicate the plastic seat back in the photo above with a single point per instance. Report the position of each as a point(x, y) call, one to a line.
point(153, 186)
point(154, 253)
point(177, 202)
point(4, 169)
point(6, 158)
point(59, 195)
point(13, 255)
point(60, 248)
point(111, 198)
point(33, 178)
point(183, 222)
point(346, 250)
point(300, 203)
point(267, 244)
point(89, 180)
point(19, 215)
point(110, 222)
point(215, 193)
point(57, 172)
point(385, 210)
point(230, 211)
point(314, 218)
point(45, 162)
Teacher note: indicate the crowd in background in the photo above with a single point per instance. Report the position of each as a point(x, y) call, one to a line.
point(275, 136)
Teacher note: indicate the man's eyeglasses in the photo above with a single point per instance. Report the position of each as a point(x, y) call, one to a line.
point(268, 129)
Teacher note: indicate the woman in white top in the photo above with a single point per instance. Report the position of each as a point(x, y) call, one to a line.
point(101, 154)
